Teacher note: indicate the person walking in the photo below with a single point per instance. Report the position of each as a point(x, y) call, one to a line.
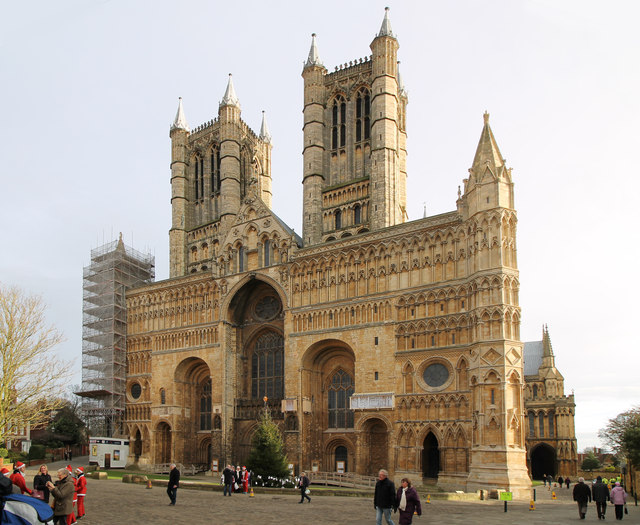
point(567, 481)
point(407, 502)
point(174, 483)
point(245, 480)
point(560, 481)
point(62, 493)
point(619, 499)
point(40, 482)
point(384, 498)
point(227, 479)
point(600, 494)
point(544, 479)
point(303, 484)
point(581, 495)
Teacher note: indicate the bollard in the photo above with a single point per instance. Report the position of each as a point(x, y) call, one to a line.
point(553, 495)
point(149, 485)
point(534, 494)
point(532, 505)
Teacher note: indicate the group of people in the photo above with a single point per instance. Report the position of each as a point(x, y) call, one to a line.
point(68, 491)
point(235, 480)
point(599, 493)
point(405, 500)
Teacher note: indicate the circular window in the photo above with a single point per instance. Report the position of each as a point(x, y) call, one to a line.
point(436, 375)
point(136, 390)
point(267, 307)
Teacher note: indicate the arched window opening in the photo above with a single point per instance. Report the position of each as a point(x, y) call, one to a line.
point(199, 178)
point(541, 421)
point(241, 259)
point(205, 405)
point(215, 170)
point(532, 424)
point(217, 422)
point(551, 426)
point(338, 122)
point(267, 252)
point(163, 397)
point(357, 214)
point(362, 115)
point(267, 367)
point(535, 391)
point(340, 390)
point(338, 218)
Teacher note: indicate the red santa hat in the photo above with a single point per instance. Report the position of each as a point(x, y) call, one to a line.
point(244, 468)
point(4, 471)
point(80, 469)
point(19, 464)
point(69, 468)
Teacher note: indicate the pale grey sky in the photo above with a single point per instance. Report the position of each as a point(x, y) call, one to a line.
point(89, 89)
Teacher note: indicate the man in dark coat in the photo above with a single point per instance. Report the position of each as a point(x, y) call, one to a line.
point(303, 484)
point(600, 493)
point(228, 477)
point(582, 495)
point(384, 498)
point(174, 483)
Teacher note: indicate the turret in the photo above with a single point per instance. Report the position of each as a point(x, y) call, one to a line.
point(229, 119)
point(313, 145)
point(179, 134)
point(388, 191)
point(489, 184)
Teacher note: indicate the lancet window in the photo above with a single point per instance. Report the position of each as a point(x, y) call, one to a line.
point(340, 390)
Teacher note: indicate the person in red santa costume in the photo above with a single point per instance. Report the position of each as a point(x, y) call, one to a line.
point(81, 490)
point(71, 518)
point(17, 478)
point(245, 480)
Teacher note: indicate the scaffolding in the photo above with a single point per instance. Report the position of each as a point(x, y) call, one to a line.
point(114, 268)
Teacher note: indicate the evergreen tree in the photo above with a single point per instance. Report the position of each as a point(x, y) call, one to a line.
point(267, 456)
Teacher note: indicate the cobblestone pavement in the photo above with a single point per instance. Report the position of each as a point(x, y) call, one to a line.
point(113, 502)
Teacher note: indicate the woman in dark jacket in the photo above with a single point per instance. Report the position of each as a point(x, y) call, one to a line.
point(408, 502)
point(40, 482)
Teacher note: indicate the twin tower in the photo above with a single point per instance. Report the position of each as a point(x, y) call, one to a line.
point(354, 151)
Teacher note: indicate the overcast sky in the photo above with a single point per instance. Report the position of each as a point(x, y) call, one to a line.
point(89, 89)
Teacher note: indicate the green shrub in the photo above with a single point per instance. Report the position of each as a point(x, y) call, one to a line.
point(4, 453)
point(15, 455)
point(36, 452)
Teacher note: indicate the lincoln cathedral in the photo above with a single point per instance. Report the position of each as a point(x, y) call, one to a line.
point(374, 341)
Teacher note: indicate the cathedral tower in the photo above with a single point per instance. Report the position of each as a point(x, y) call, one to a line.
point(354, 143)
point(212, 170)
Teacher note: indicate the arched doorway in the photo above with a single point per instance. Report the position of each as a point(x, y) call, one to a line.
point(163, 443)
point(376, 441)
point(543, 461)
point(341, 462)
point(430, 457)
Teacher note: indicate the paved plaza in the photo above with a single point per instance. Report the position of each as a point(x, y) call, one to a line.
point(113, 502)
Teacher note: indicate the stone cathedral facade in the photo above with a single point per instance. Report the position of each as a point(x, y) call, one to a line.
point(375, 341)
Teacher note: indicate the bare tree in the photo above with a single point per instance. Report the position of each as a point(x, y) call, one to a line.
point(613, 433)
point(33, 379)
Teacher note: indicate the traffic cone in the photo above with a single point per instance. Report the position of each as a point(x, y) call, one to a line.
point(251, 495)
point(553, 495)
point(532, 505)
point(149, 484)
point(428, 498)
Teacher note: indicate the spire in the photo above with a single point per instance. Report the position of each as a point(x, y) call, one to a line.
point(120, 246)
point(385, 30)
point(314, 58)
point(547, 349)
point(180, 121)
point(487, 153)
point(264, 130)
point(230, 98)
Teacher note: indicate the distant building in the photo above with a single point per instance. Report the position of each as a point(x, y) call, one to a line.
point(114, 268)
point(551, 437)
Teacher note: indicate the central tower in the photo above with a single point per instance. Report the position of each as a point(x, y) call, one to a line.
point(354, 150)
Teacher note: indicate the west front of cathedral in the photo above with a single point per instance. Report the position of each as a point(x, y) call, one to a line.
point(376, 342)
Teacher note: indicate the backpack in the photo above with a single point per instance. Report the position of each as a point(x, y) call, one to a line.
point(17, 509)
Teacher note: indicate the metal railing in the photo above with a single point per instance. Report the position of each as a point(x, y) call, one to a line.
point(346, 479)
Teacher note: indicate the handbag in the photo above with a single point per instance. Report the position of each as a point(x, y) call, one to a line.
point(625, 509)
point(307, 491)
point(39, 494)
